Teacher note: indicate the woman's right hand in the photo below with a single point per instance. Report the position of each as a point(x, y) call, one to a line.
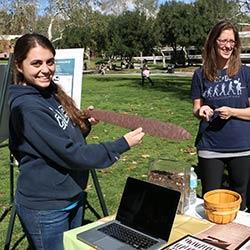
point(205, 112)
point(134, 137)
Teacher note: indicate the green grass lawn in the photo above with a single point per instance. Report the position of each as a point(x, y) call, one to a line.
point(3, 61)
point(168, 101)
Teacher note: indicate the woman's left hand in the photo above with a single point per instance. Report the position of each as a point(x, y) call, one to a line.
point(224, 112)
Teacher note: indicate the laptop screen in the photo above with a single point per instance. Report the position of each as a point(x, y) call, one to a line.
point(148, 207)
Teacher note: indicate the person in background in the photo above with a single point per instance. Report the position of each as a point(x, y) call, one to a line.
point(102, 69)
point(48, 139)
point(145, 73)
point(221, 98)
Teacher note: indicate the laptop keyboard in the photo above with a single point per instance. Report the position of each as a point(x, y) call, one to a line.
point(128, 236)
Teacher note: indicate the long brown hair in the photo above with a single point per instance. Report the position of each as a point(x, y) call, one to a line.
point(21, 49)
point(210, 51)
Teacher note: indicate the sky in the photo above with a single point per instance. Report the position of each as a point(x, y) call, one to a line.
point(43, 3)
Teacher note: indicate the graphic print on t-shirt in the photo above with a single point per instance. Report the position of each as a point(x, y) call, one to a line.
point(224, 87)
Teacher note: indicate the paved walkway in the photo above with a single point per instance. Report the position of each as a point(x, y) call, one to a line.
point(177, 73)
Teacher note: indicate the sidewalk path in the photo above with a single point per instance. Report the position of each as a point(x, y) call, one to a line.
point(177, 73)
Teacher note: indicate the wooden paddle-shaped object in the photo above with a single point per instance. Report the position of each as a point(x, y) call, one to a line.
point(150, 126)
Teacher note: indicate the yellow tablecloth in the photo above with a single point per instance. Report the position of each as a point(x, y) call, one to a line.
point(183, 225)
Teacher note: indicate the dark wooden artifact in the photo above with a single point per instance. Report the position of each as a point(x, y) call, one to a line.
point(150, 126)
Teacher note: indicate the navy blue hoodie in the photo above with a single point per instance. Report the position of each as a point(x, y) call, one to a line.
point(53, 156)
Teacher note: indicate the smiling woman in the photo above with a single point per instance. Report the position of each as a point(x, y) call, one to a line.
point(48, 139)
point(221, 100)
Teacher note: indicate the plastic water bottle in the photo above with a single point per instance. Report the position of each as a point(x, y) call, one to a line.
point(192, 186)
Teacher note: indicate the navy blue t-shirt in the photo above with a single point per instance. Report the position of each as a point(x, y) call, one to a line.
point(232, 135)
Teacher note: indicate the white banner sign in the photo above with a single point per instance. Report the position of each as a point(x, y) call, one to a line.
point(69, 66)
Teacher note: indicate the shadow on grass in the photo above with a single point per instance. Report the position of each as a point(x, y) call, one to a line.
point(5, 212)
point(17, 242)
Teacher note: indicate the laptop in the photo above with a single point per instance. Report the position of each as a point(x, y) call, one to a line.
point(143, 221)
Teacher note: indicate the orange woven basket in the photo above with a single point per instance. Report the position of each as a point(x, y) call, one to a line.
point(221, 205)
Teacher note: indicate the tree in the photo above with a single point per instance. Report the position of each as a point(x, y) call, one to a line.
point(209, 12)
point(244, 6)
point(4, 22)
point(18, 16)
point(149, 7)
point(63, 14)
point(175, 25)
point(90, 32)
point(243, 11)
point(114, 7)
point(129, 34)
point(187, 25)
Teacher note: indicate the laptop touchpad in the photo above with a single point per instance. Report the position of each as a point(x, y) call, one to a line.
point(107, 243)
point(90, 236)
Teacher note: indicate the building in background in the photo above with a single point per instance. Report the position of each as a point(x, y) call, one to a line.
point(244, 34)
